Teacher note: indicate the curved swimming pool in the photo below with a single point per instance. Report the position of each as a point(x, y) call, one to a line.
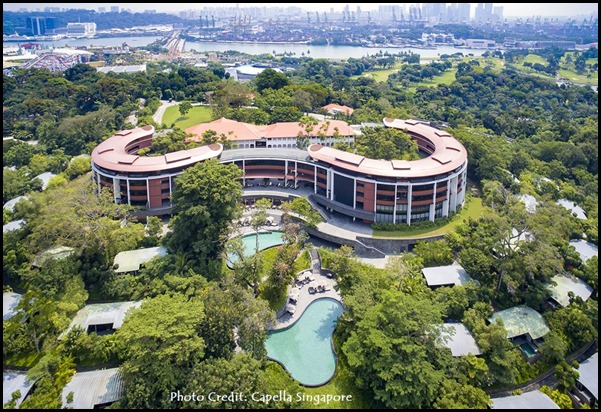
point(266, 240)
point(305, 348)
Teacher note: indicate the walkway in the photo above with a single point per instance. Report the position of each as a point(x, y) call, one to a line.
point(305, 298)
point(158, 116)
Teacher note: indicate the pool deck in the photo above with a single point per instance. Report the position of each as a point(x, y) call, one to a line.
point(305, 299)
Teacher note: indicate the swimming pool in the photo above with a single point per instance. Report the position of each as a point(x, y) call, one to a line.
point(527, 349)
point(305, 348)
point(266, 240)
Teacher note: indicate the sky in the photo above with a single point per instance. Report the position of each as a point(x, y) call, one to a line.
point(509, 9)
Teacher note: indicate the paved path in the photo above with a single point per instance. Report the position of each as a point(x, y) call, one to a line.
point(305, 298)
point(158, 116)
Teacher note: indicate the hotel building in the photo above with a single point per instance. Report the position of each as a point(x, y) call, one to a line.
point(371, 190)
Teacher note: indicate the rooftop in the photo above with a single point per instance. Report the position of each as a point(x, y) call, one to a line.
point(93, 388)
point(10, 205)
point(573, 207)
point(15, 381)
point(529, 201)
point(131, 260)
point(239, 131)
point(460, 340)
point(59, 252)
point(566, 284)
point(585, 249)
point(335, 108)
point(14, 225)
point(446, 275)
point(448, 155)
point(114, 153)
point(102, 314)
point(45, 178)
point(123, 69)
point(589, 374)
point(520, 320)
point(529, 400)
point(10, 301)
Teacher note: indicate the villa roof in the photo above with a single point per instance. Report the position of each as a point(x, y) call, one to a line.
point(10, 205)
point(14, 225)
point(333, 108)
point(94, 388)
point(572, 207)
point(45, 178)
point(240, 131)
point(460, 340)
point(589, 374)
point(529, 201)
point(10, 301)
point(15, 381)
point(585, 249)
point(446, 275)
point(564, 285)
point(529, 400)
point(59, 252)
point(520, 320)
point(102, 314)
point(131, 260)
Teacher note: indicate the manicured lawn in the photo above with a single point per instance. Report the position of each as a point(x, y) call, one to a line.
point(474, 210)
point(196, 115)
point(447, 78)
point(534, 58)
point(579, 78)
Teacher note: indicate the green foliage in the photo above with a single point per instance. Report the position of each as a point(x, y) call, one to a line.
point(561, 399)
point(302, 207)
point(436, 253)
point(205, 201)
point(159, 344)
point(271, 79)
point(184, 107)
point(386, 143)
point(390, 351)
point(566, 376)
point(172, 141)
point(77, 167)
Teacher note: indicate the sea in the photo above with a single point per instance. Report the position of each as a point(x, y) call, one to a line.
point(297, 50)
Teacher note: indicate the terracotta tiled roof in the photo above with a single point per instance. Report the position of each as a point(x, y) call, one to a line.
point(333, 108)
point(247, 131)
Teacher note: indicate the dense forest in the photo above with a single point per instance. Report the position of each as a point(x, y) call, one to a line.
point(524, 135)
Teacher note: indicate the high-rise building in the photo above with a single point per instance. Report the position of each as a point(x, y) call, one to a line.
point(114, 9)
point(36, 26)
point(101, 9)
point(498, 13)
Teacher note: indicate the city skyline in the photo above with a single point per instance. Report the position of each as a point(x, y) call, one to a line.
point(509, 9)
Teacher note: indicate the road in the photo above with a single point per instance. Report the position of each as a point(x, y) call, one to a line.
point(158, 116)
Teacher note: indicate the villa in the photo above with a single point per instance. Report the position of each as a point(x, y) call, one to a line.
point(130, 261)
point(525, 327)
point(93, 390)
point(529, 400)
point(450, 275)
point(102, 318)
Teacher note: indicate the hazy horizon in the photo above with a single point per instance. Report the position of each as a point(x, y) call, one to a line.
point(509, 9)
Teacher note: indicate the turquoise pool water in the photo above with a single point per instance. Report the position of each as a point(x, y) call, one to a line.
point(527, 349)
point(305, 348)
point(266, 240)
